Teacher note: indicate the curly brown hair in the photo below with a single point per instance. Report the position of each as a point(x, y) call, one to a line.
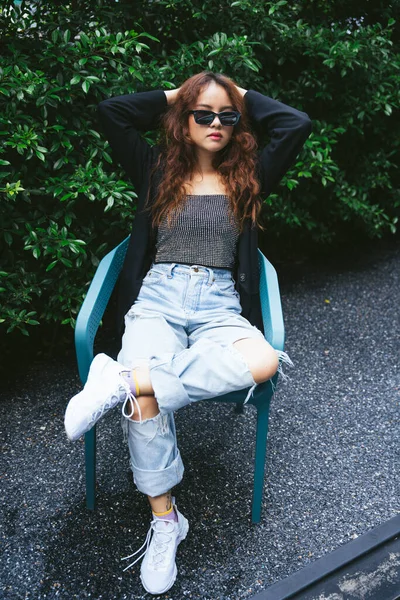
point(236, 163)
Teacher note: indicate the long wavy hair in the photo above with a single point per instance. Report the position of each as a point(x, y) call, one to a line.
point(236, 163)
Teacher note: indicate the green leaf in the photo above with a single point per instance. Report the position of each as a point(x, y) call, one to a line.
point(66, 261)
point(51, 265)
point(107, 156)
point(151, 37)
point(58, 164)
point(66, 196)
point(86, 86)
point(84, 39)
point(110, 203)
point(251, 65)
point(213, 52)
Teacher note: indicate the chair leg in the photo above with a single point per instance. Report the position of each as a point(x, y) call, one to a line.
point(90, 461)
point(259, 459)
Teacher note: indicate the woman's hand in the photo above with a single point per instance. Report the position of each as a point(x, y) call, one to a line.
point(171, 95)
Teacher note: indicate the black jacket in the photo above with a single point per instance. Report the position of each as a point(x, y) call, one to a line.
point(122, 117)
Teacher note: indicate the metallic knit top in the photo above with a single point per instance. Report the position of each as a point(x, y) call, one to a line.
point(203, 233)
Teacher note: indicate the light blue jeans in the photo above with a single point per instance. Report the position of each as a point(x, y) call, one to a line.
point(183, 325)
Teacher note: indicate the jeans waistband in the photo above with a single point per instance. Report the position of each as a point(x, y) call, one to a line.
point(194, 270)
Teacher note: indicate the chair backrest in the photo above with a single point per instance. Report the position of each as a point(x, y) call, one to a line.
point(94, 305)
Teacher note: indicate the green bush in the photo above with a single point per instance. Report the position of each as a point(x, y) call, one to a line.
point(64, 203)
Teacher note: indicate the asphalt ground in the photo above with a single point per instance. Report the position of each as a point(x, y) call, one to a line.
point(332, 467)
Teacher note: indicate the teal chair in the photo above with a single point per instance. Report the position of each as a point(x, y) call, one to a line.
point(88, 321)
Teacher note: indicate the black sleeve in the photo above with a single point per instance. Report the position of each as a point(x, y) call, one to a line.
point(288, 129)
point(122, 117)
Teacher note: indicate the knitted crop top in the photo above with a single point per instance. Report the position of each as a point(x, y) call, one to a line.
point(204, 233)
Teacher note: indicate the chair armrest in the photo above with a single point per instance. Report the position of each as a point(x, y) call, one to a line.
point(94, 305)
point(271, 306)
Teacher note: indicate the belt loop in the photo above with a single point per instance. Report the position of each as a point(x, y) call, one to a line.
point(210, 276)
point(171, 266)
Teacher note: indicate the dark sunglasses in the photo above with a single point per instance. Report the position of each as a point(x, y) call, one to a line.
point(206, 117)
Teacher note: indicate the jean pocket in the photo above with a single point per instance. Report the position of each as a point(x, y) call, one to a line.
point(225, 287)
point(153, 276)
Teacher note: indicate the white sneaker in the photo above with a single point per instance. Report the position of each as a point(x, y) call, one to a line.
point(105, 388)
point(158, 571)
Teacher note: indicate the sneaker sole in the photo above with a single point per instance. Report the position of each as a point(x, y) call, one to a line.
point(182, 536)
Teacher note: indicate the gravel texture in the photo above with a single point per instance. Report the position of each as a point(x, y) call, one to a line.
point(332, 468)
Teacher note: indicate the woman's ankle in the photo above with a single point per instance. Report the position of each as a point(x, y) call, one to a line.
point(139, 381)
point(161, 504)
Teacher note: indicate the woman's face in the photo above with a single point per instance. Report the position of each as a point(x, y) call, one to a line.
point(213, 137)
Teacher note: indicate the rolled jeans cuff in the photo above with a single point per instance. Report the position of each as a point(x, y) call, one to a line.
point(157, 482)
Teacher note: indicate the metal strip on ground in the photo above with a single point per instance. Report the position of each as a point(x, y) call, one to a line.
point(303, 583)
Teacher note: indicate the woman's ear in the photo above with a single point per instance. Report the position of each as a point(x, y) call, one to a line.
point(186, 135)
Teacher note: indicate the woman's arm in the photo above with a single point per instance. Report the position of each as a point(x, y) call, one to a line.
point(122, 117)
point(241, 91)
point(171, 95)
point(288, 129)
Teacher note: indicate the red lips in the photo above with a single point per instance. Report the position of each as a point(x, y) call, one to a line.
point(215, 135)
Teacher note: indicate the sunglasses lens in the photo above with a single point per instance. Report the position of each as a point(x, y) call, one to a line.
point(228, 118)
point(206, 117)
point(203, 117)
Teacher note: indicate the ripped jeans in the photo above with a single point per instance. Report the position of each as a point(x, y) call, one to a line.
point(183, 325)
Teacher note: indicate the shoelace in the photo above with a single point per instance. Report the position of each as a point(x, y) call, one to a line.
point(159, 545)
point(107, 405)
point(133, 402)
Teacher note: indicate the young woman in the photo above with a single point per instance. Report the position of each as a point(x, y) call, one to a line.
point(189, 287)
